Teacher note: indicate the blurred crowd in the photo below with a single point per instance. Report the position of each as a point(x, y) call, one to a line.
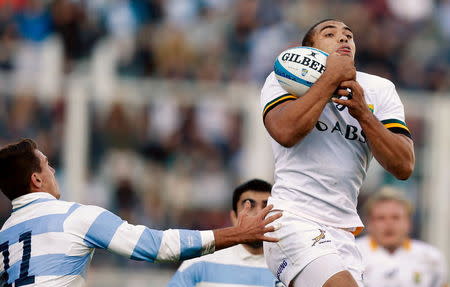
point(168, 163)
point(406, 41)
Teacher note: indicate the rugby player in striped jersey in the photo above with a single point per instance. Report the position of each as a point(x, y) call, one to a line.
point(50, 242)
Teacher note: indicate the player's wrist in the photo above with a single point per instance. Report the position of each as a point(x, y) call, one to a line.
point(329, 79)
point(226, 237)
point(365, 118)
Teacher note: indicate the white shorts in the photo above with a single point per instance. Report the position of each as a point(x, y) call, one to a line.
point(302, 241)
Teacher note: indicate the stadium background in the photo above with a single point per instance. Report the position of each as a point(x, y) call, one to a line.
point(150, 108)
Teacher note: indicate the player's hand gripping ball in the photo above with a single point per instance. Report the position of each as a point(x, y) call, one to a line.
point(297, 69)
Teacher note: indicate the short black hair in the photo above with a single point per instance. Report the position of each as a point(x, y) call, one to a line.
point(257, 185)
point(308, 38)
point(17, 163)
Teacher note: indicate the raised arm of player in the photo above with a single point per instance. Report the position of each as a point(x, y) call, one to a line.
point(289, 122)
point(98, 228)
point(394, 151)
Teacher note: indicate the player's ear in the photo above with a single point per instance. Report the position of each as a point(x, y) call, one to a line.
point(233, 217)
point(36, 181)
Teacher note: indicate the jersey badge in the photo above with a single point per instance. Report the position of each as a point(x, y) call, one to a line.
point(319, 237)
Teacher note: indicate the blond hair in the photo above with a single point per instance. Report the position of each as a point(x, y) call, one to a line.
point(388, 193)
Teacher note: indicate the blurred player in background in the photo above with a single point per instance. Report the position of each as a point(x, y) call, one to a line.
point(322, 147)
point(48, 242)
point(241, 265)
point(390, 256)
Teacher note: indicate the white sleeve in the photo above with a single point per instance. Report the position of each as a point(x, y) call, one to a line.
point(272, 94)
point(391, 112)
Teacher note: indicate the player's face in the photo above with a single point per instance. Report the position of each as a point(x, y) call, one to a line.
point(389, 224)
point(334, 36)
point(47, 176)
point(258, 200)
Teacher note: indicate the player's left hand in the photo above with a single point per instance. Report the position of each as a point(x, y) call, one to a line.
point(355, 102)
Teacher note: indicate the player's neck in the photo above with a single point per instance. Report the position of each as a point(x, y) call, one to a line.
point(391, 249)
point(253, 250)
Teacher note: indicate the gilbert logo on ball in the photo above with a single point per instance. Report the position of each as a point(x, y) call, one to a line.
point(298, 68)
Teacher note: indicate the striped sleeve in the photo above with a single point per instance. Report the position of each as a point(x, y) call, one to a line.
point(391, 112)
point(397, 126)
point(272, 94)
point(101, 228)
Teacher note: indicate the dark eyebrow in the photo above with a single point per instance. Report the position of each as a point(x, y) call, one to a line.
point(332, 26)
point(347, 28)
point(326, 27)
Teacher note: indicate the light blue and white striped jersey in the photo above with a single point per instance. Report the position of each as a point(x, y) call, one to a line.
point(231, 267)
point(49, 242)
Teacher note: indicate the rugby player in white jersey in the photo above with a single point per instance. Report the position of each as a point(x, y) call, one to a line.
point(322, 147)
point(50, 242)
point(390, 257)
point(240, 265)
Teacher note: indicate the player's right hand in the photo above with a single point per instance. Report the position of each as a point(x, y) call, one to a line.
point(340, 67)
point(253, 227)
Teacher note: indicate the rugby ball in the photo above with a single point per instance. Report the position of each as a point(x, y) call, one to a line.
point(298, 68)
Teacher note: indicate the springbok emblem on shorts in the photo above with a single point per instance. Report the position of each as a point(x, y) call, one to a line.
point(319, 237)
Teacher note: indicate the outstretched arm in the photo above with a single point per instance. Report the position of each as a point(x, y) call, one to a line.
point(99, 228)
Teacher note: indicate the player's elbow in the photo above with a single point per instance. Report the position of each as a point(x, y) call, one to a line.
point(288, 135)
point(287, 143)
point(287, 139)
point(404, 171)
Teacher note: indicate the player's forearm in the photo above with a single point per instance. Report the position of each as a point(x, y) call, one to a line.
point(293, 120)
point(394, 152)
point(227, 237)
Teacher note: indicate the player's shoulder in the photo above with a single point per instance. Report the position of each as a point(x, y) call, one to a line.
point(63, 203)
point(373, 81)
point(78, 208)
point(425, 248)
point(270, 81)
point(84, 215)
point(271, 77)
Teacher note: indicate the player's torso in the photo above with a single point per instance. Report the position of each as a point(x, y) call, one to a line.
point(413, 267)
point(326, 169)
point(35, 250)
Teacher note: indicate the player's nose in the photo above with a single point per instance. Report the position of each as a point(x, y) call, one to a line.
point(343, 39)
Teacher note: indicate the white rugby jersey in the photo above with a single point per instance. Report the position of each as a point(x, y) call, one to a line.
point(231, 267)
point(415, 264)
point(319, 178)
point(49, 242)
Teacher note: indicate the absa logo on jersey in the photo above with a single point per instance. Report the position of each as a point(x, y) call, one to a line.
point(349, 132)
